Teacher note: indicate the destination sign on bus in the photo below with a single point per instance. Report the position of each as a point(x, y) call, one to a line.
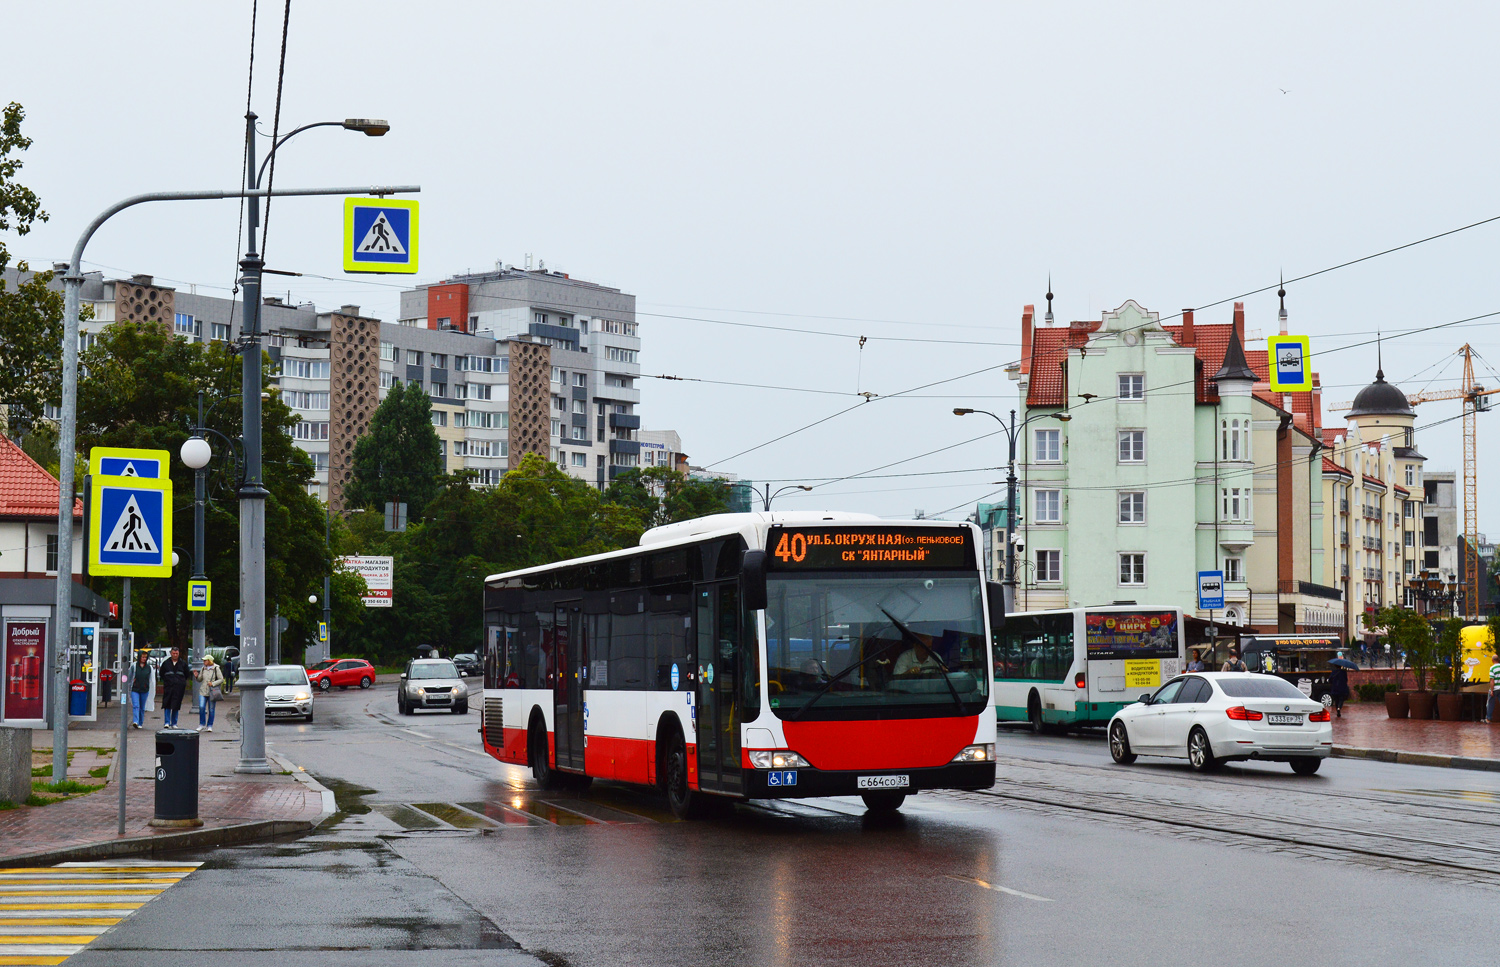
point(883, 548)
point(1147, 634)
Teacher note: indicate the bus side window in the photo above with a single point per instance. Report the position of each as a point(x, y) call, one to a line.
point(750, 667)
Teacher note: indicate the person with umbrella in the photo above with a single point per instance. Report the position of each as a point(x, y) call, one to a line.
point(1338, 682)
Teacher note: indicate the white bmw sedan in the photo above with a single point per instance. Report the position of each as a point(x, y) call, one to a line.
point(1214, 717)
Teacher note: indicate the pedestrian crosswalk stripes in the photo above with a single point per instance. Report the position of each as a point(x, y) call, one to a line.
point(87, 899)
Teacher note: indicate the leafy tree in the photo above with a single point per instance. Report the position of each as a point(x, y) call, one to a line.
point(1411, 633)
point(400, 459)
point(31, 313)
point(142, 391)
point(1449, 652)
point(661, 495)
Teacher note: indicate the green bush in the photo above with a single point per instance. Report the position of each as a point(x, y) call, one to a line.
point(1375, 691)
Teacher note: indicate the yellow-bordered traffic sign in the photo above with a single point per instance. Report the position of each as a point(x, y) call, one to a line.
point(130, 527)
point(200, 594)
point(380, 235)
point(121, 462)
point(1291, 364)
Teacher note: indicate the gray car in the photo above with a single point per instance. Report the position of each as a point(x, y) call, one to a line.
point(288, 692)
point(432, 683)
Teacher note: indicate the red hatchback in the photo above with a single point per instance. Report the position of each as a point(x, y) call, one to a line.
point(342, 672)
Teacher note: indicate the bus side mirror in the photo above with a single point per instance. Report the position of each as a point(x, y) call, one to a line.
point(753, 578)
point(1000, 601)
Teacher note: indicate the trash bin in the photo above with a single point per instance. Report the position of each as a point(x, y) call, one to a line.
point(78, 697)
point(176, 778)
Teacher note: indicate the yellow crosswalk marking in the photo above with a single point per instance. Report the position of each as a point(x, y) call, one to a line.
point(149, 891)
point(74, 905)
point(33, 960)
point(33, 922)
point(49, 913)
point(75, 881)
point(72, 938)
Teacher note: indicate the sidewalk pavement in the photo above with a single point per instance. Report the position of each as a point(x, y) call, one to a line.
point(234, 808)
point(1367, 732)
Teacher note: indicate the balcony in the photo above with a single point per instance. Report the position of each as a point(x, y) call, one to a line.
point(1343, 570)
point(624, 421)
point(1343, 538)
point(1372, 543)
point(631, 447)
point(1372, 574)
point(1343, 505)
point(1372, 513)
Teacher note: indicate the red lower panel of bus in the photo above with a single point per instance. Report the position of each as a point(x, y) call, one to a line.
point(604, 757)
point(888, 744)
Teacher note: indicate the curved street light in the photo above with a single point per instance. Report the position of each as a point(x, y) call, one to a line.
point(768, 495)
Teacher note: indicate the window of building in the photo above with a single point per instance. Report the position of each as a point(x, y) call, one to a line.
point(305, 368)
point(1048, 566)
point(1132, 568)
point(440, 389)
point(579, 407)
point(556, 428)
point(1048, 448)
point(386, 379)
point(51, 553)
point(615, 354)
point(460, 391)
point(304, 400)
point(1411, 538)
point(305, 430)
point(559, 404)
point(580, 433)
point(439, 417)
point(219, 331)
point(580, 459)
point(1132, 386)
point(445, 322)
point(618, 381)
point(1236, 501)
point(414, 357)
point(1132, 507)
point(1411, 475)
point(1234, 439)
point(481, 391)
point(540, 318)
point(184, 323)
point(1048, 507)
point(1234, 569)
point(557, 375)
point(1132, 444)
point(387, 352)
point(580, 379)
point(320, 461)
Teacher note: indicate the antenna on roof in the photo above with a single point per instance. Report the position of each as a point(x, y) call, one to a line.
point(1048, 317)
point(1379, 360)
point(1281, 294)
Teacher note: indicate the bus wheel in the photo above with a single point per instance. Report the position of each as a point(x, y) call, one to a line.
point(541, 769)
point(1119, 744)
point(883, 802)
point(1200, 752)
point(683, 801)
point(1034, 714)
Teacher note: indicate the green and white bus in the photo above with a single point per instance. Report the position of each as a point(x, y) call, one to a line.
point(1079, 666)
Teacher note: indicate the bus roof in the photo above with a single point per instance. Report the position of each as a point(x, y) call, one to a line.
point(725, 525)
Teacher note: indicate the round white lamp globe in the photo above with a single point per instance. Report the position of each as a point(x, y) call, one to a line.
point(196, 453)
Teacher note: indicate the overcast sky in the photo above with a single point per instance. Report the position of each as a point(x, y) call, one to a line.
point(898, 171)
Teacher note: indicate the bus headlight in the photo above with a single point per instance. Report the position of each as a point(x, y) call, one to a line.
point(977, 753)
point(778, 760)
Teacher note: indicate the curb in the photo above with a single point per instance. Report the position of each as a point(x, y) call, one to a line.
point(1418, 758)
point(164, 842)
point(330, 805)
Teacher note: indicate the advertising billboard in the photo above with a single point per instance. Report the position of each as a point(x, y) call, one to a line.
point(1125, 635)
point(380, 577)
point(24, 655)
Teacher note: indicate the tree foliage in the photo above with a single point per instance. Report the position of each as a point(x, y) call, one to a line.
point(141, 391)
point(400, 459)
point(30, 312)
point(659, 495)
point(1411, 633)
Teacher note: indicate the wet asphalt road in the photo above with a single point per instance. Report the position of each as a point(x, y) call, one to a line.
point(444, 856)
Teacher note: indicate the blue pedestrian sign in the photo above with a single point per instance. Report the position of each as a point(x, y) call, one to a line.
point(118, 462)
point(130, 527)
point(380, 235)
point(1210, 590)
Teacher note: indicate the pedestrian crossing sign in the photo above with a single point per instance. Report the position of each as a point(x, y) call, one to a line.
point(380, 235)
point(119, 462)
point(130, 526)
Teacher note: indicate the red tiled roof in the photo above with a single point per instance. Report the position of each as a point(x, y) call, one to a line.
point(1049, 355)
point(1374, 480)
point(1330, 467)
point(1210, 343)
point(26, 490)
point(1402, 490)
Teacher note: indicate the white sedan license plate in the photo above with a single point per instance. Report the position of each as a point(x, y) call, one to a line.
point(883, 782)
point(1278, 719)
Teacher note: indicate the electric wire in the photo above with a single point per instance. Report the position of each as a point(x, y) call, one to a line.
point(265, 227)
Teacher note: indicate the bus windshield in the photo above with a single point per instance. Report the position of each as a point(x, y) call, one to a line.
point(861, 645)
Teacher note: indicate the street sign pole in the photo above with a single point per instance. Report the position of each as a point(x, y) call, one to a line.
point(122, 774)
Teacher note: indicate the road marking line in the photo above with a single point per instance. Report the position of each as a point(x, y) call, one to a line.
point(84, 881)
point(33, 891)
point(47, 938)
point(998, 888)
point(34, 961)
point(15, 923)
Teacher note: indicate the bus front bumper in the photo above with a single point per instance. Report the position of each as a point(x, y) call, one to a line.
point(817, 782)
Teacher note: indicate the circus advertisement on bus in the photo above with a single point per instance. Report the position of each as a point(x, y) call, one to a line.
point(1122, 634)
point(25, 646)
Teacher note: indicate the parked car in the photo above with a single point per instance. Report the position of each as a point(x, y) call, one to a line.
point(1213, 717)
point(432, 683)
point(289, 694)
point(468, 664)
point(343, 672)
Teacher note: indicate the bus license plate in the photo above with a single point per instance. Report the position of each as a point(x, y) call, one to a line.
point(883, 782)
point(1276, 719)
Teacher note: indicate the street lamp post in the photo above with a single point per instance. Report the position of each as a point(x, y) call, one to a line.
point(196, 454)
point(1010, 484)
point(767, 495)
point(253, 493)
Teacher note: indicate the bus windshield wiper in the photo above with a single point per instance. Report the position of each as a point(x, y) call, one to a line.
point(835, 679)
point(908, 633)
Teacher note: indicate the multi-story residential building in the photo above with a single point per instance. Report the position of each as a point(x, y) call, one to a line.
point(1152, 452)
point(591, 333)
point(1371, 470)
point(662, 448)
point(515, 362)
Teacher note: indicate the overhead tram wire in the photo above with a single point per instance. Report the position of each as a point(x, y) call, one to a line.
point(239, 228)
point(265, 226)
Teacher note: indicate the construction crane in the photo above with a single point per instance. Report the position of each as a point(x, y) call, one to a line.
point(1475, 398)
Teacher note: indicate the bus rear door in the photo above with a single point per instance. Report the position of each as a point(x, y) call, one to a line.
point(568, 696)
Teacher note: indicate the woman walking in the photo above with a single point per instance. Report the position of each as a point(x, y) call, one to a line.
point(210, 687)
point(1338, 688)
point(142, 689)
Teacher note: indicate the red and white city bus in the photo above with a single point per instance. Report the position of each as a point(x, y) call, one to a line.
point(751, 656)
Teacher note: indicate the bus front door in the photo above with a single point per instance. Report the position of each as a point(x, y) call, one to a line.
point(568, 695)
point(720, 666)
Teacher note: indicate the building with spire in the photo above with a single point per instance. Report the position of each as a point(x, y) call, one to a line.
point(1175, 457)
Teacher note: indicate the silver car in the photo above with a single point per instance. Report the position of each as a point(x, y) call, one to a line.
point(288, 693)
point(432, 683)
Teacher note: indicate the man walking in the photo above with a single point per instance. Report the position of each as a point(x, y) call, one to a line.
point(1234, 664)
point(1489, 709)
point(174, 674)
